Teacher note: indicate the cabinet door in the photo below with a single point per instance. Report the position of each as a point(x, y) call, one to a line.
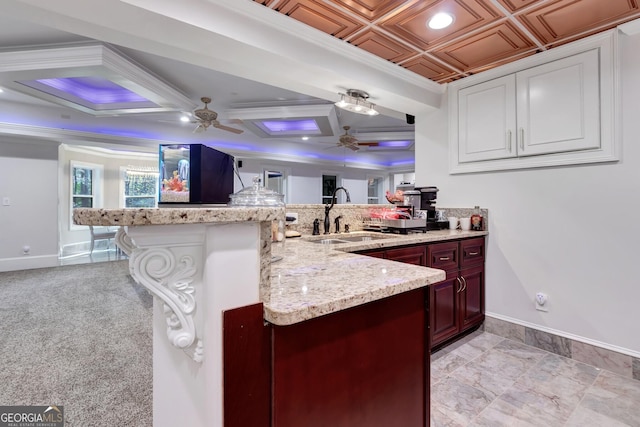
point(559, 106)
point(443, 308)
point(487, 120)
point(416, 255)
point(471, 297)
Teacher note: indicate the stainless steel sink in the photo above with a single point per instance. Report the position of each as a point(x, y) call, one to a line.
point(348, 239)
point(329, 241)
point(360, 238)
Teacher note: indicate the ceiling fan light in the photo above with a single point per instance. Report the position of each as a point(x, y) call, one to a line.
point(440, 20)
point(184, 119)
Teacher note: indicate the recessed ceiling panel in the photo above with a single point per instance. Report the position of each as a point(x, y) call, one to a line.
point(287, 121)
point(411, 23)
point(492, 45)
point(94, 93)
point(319, 15)
point(370, 9)
point(562, 19)
point(429, 68)
point(91, 78)
point(383, 46)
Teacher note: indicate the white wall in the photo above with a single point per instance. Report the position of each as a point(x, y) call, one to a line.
point(111, 188)
point(29, 180)
point(567, 231)
point(304, 181)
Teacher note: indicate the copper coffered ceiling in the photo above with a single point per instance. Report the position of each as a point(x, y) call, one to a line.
point(484, 33)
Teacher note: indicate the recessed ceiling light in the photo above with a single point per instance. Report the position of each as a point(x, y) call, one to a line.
point(440, 20)
point(305, 138)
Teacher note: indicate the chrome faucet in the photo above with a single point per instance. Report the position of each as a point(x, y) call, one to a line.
point(327, 208)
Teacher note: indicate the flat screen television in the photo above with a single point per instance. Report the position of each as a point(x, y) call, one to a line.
point(194, 174)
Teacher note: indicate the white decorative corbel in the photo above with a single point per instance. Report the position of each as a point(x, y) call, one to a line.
point(124, 242)
point(171, 280)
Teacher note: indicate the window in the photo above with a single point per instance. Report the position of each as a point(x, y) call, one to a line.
point(329, 184)
point(374, 190)
point(86, 181)
point(82, 187)
point(140, 186)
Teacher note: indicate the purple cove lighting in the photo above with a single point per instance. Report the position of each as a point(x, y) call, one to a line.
point(95, 90)
point(394, 143)
point(304, 125)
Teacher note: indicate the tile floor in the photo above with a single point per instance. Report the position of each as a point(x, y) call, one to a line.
point(487, 380)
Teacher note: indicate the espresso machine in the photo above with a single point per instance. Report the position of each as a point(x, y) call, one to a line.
point(428, 196)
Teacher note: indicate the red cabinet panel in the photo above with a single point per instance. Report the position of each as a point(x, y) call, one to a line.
point(365, 366)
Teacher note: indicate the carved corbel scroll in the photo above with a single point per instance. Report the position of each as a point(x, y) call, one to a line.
point(124, 242)
point(171, 280)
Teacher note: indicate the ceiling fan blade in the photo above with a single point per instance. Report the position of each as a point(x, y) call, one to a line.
point(353, 147)
point(199, 129)
point(369, 143)
point(217, 125)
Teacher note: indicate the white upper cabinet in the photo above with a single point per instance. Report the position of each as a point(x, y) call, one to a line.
point(487, 120)
point(550, 109)
point(559, 106)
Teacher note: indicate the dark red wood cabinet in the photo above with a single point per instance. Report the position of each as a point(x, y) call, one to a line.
point(457, 303)
point(416, 255)
point(364, 366)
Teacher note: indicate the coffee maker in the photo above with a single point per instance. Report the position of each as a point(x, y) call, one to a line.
point(428, 196)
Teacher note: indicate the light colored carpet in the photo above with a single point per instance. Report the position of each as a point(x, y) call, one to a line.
point(78, 336)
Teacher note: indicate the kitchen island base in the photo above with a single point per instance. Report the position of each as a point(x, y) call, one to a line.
point(364, 366)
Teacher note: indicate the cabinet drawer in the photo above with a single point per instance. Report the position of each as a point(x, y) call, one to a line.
point(443, 255)
point(472, 251)
point(412, 255)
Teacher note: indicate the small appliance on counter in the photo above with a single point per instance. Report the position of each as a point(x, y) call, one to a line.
point(428, 196)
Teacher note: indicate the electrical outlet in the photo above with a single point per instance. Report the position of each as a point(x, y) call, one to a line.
point(292, 215)
point(541, 301)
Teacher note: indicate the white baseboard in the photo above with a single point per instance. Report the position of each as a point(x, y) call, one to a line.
point(28, 262)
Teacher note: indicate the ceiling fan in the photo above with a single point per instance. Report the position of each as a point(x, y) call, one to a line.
point(351, 142)
point(205, 118)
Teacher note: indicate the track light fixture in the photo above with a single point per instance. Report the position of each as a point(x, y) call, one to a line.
point(356, 101)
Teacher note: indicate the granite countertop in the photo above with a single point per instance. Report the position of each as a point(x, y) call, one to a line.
point(174, 215)
point(315, 279)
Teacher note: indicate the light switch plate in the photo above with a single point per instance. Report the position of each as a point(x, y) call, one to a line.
point(6, 201)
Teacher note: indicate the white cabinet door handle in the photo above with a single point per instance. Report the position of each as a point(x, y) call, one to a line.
point(509, 140)
point(459, 285)
point(522, 139)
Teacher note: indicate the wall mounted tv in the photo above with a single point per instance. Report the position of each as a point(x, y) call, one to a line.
point(195, 174)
